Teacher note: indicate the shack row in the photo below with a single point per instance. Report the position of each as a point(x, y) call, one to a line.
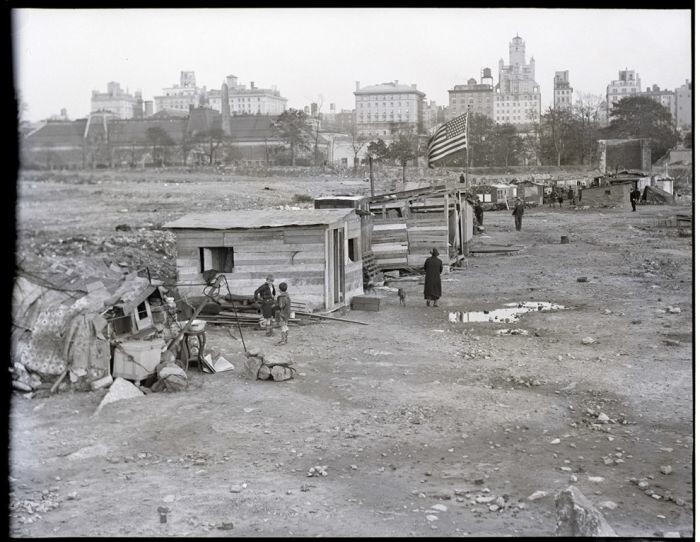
point(320, 253)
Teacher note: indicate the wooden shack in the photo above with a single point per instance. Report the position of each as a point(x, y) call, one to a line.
point(610, 194)
point(495, 195)
point(408, 224)
point(315, 251)
point(531, 193)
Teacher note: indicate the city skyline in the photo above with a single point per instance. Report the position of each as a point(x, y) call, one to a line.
point(314, 55)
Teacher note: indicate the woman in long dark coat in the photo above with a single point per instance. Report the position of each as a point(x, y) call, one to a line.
point(433, 284)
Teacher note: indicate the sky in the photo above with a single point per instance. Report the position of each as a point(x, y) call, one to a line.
point(317, 55)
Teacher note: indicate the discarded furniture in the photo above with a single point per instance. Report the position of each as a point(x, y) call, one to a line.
point(190, 353)
point(136, 360)
point(315, 251)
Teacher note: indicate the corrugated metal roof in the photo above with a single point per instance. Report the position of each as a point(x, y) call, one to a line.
point(267, 218)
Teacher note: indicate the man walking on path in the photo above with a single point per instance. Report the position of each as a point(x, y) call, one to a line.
point(518, 212)
point(634, 198)
point(432, 291)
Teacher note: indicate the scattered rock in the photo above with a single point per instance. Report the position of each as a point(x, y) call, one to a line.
point(226, 526)
point(582, 279)
point(642, 484)
point(237, 488)
point(431, 517)
point(119, 390)
point(556, 441)
point(537, 495)
point(588, 340)
point(500, 502)
point(317, 471)
point(596, 479)
point(672, 534)
point(666, 469)
point(169, 498)
point(493, 507)
point(602, 417)
point(608, 505)
point(439, 507)
point(573, 478)
point(485, 500)
point(576, 516)
point(671, 342)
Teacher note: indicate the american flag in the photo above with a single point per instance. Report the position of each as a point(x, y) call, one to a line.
point(448, 139)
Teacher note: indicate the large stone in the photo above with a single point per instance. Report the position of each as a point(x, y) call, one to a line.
point(280, 373)
point(119, 391)
point(278, 358)
point(576, 515)
point(252, 365)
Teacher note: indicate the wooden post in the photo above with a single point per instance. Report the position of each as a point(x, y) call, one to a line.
point(371, 177)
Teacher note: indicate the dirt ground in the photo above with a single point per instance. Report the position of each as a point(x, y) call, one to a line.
point(416, 419)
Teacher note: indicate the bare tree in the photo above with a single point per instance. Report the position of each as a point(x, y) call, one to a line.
point(586, 115)
point(358, 141)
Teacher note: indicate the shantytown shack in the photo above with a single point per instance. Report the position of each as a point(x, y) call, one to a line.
point(315, 251)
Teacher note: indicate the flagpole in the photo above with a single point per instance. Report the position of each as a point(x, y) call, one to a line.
point(466, 137)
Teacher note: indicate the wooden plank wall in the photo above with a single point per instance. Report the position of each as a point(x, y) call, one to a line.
point(425, 232)
point(390, 242)
point(295, 255)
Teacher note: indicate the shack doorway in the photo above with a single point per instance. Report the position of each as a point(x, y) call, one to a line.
point(337, 261)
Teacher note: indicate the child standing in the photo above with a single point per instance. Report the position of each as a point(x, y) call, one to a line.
point(284, 311)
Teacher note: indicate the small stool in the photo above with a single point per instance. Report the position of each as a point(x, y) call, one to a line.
point(186, 356)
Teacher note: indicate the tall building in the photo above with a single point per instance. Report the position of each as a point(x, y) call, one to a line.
point(562, 90)
point(115, 100)
point(251, 100)
point(478, 97)
point(665, 97)
point(518, 99)
point(431, 115)
point(180, 97)
point(627, 84)
point(684, 106)
point(387, 107)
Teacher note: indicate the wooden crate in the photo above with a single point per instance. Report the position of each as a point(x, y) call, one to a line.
point(365, 303)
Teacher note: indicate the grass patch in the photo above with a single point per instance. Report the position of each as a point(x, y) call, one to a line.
point(303, 198)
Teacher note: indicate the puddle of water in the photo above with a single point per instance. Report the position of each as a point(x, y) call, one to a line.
point(511, 313)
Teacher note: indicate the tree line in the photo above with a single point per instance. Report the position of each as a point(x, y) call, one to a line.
point(562, 137)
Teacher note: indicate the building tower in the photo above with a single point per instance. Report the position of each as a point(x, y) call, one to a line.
point(517, 51)
point(562, 90)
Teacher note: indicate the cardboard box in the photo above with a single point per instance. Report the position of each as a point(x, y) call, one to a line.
point(145, 354)
point(365, 303)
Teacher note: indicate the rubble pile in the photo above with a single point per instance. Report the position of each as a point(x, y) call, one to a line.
point(263, 366)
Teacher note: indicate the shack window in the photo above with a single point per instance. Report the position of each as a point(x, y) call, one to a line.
point(487, 198)
point(142, 311)
point(217, 258)
point(354, 249)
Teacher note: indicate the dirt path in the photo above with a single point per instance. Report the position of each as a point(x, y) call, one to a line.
point(414, 417)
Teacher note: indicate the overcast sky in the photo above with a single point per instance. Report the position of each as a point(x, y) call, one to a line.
point(62, 55)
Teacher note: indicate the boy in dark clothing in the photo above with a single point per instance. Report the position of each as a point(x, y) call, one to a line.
point(479, 213)
point(266, 295)
point(283, 311)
